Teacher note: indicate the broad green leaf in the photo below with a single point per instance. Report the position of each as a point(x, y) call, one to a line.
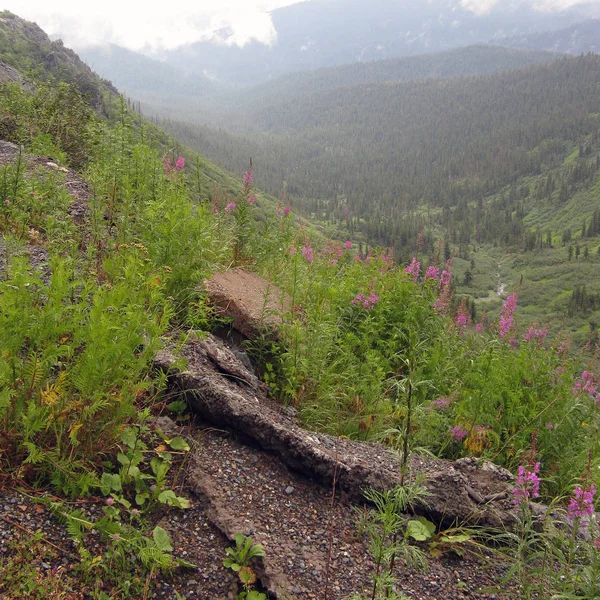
point(418, 531)
point(161, 539)
point(179, 444)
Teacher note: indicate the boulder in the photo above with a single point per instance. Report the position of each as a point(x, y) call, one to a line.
point(255, 305)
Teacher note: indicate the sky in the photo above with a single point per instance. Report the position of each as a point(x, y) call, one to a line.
point(151, 25)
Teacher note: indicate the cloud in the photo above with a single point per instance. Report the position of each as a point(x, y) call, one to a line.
point(152, 25)
point(485, 7)
point(479, 7)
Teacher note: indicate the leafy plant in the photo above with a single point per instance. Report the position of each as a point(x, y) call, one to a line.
point(239, 559)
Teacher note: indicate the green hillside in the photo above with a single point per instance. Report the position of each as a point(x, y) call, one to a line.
point(109, 229)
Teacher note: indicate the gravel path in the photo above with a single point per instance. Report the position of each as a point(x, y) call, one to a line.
point(312, 548)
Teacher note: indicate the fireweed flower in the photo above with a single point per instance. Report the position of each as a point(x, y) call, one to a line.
point(366, 301)
point(581, 503)
point(348, 245)
point(179, 164)
point(441, 403)
point(479, 327)
point(445, 278)
point(293, 250)
point(248, 178)
point(507, 315)
point(230, 207)
point(252, 200)
point(527, 484)
point(413, 269)
point(432, 272)
point(286, 210)
point(461, 321)
point(307, 252)
point(536, 335)
point(458, 433)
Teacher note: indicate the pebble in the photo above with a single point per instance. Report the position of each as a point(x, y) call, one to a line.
point(289, 490)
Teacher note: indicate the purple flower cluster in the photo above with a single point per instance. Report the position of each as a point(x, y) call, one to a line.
point(230, 207)
point(527, 484)
point(582, 502)
point(507, 315)
point(536, 335)
point(441, 403)
point(248, 178)
point(432, 272)
point(589, 384)
point(458, 433)
point(307, 252)
point(413, 269)
point(179, 165)
point(461, 321)
point(366, 301)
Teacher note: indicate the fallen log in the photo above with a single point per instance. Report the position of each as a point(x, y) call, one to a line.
point(221, 390)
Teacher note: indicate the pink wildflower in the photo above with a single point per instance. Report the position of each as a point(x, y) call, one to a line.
point(549, 425)
point(333, 261)
point(358, 299)
point(286, 211)
point(7, 202)
point(432, 272)
point(445, 278)
point(110, 501)
point(364, 301)
point(293, 250)
point(116, 537)
point(527, 484)
point(252, 200)
point(441, 403)
point(537, 335)
point(458, 433)
point(248, 178)
point(167, 165)
point(582, 502)
point(179, 164)
point(413, 269)
point(230, 207)
point(461, 321)
point(307, 252)
point(348, 245)
point(479, 327)
point(507, 315)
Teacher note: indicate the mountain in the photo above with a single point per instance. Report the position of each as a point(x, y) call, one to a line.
point(579, 38)
point(169, 92)
point(322, 33)
point(132, 72)
point(29, 53)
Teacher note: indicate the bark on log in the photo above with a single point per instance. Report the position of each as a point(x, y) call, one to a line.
point(221, 390)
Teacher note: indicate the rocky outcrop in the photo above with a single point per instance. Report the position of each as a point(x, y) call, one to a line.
point(220, 389)
point(255, 306)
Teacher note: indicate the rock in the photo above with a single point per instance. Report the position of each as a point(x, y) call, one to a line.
point(462, 492)
point(289, 490)
point(255, 305)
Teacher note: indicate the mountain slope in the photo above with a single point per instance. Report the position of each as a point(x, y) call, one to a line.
point(132, 72)
point(579, 38)
point(322, 33)
point(26, 48)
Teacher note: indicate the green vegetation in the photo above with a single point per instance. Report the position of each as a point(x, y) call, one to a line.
point(369, 349)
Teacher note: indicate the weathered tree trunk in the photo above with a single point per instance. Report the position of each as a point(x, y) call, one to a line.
point(221, 390)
